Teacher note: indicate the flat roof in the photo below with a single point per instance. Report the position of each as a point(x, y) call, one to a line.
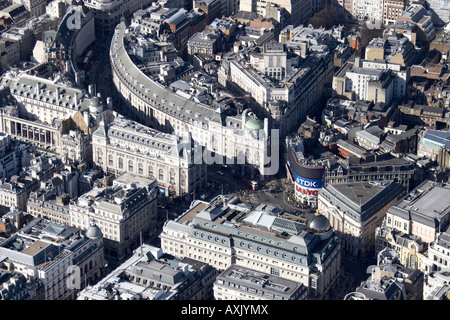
point(426, 204)
point(36, 247)
point(199, 206)
point(362, 192)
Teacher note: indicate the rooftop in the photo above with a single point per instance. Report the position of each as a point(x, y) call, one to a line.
point(168, 102)
point(258, 283)
point(165, 277)
point(361, 200)
point(265, 228)
point(426, 204)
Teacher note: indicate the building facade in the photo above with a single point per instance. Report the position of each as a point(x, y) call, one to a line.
point(226, 232)
point(107, 14)
point(164, 110)
point(126, 146)
point(239, 283)
point(44, 251)
point(125, 212)
point(414, 223)
point(150, 275)
point(300, 10)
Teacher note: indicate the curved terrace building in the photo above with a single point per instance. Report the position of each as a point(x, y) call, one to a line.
point(238, 139)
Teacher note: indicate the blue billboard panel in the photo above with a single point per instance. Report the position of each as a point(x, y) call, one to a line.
point(308, 183)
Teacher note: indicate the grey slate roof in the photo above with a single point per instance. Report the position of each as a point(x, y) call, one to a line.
point(156, 94)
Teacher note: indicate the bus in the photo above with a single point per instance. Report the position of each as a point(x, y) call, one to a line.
point(87, 59)
point(252, 184)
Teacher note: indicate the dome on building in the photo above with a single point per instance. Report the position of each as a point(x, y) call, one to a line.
point(319, 224)
point(254, 124)
point(94, 231)
point(95, 105)
point(94, 102)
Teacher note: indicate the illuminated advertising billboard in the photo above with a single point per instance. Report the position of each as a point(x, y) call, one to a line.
point(307, 187)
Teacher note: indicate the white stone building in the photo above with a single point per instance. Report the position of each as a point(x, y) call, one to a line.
point(236, 139)
point(107, 13)
point(239, 283)
point(47, 252)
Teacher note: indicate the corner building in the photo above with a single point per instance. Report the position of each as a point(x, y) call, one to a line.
point(232, 138)
point(226, 232)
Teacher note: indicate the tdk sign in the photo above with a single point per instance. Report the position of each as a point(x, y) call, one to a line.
point(316, 184)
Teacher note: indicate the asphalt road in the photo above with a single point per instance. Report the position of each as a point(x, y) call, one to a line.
point(231, 184)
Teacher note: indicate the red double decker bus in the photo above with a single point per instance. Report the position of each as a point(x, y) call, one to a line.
point(252, 184)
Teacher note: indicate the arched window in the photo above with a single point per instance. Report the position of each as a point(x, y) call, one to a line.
point(130, 166)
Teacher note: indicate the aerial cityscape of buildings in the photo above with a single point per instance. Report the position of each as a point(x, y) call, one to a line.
point(224, 150)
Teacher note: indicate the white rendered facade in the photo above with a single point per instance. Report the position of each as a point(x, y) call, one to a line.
point(415, 215)
point(356, 218)
point(371, 9)
point(126, 146)
point(442, 9)
point(47, 251)
point(438, 254)
point(124, 212)
point(300, 10)
point(12, 194)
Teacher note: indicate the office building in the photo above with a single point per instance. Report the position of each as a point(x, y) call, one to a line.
point(107, 14)
point(239, 283)
point(356, 209)
point(151, 275)
point(394, 50)
point(389, 280)
point(300, 10)
point(392, 9)
point(226, 232)
point(44, 251)
point(437, 286)
point(286, 87)
point(125, 212)
point(127, 146)
point(358, 83)
point(413, 223)
point(159, 108)
point(441, 9)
